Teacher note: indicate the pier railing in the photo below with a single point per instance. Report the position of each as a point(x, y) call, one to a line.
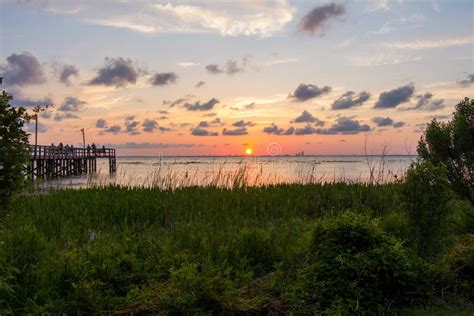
point(55, 152)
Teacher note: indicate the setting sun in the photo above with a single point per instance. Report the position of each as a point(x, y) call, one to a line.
point(248, 151)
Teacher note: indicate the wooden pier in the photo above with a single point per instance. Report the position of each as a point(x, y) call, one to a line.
point(52, 162)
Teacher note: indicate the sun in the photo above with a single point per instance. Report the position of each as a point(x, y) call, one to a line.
point(248, 151)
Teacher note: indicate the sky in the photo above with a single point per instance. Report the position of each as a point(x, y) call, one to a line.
point(207, 77)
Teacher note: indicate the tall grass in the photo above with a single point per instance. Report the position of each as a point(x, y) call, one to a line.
point(183, 250)
point(243, 173)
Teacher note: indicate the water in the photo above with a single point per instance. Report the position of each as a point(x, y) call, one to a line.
point(173, 172)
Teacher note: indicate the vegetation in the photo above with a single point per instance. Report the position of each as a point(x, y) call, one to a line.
point(451, 145)
point(210, 249)
point(355, 267)
point(13, 150)
point(426, 202)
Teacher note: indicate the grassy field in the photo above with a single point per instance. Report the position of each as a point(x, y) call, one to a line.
point(210, 249)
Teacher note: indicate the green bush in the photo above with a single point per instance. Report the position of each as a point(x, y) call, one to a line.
point(427, 193)
point(354, 267)
point(460, 261)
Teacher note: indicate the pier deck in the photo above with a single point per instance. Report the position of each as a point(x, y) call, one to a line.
point(52, 161)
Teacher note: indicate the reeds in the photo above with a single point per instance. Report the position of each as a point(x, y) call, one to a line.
point(172, 174)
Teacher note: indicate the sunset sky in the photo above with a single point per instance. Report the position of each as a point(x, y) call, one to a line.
point(215, 77)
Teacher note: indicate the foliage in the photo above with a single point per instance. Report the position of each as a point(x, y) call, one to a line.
point(460, 260)
point(13, 150)
point(190, 250)
point(426, 198)
point(451, 145)
point(355, 268)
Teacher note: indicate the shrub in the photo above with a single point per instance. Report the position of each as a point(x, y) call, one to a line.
point(460, 260)
point(353, 267)
point(427, 193)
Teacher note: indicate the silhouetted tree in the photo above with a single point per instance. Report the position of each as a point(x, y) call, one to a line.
point(13, 150)
point(452, 146)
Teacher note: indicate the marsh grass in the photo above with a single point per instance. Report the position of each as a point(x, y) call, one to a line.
point(246, 172)
point(183, 249)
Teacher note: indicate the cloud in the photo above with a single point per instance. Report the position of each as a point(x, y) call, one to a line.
point(305, 92)
point(66, 72)
point(317, 18)
point(116, 72)
point(382, 121)
point(243, 123)
point(131, 126)
point(164, 78)
point(149, 125)
point(29, 103)
point(178, 101)
point(427, 103)
point(349, 100)
point(235, 132)
point(307, 117)
point(198, 106)
point(439, 117)
point(163, 129)
point(72, 104)
point(275, 130)
point(186, 64)
point(395, 97)
point(114, 129)
point(307, 130)
point(214, 69)
point(281, 61)
point(230, 68)
point(101, 123)
point(434, 43)
point(345, 125)
point(215, 122)
point(468, 81)
point(22, 70)
point(134, 145)
point(65, 116)
point(46, 114)
point(385, 29)
point(30, 128)
point(398, 124)
point(198, 131)
point(377, 5)
point(199, 84)
point(383, 58)
point(250, 106)
point(234, 18)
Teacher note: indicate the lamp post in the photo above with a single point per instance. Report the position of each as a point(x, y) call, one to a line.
point(37, 110)
point(83, 138)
